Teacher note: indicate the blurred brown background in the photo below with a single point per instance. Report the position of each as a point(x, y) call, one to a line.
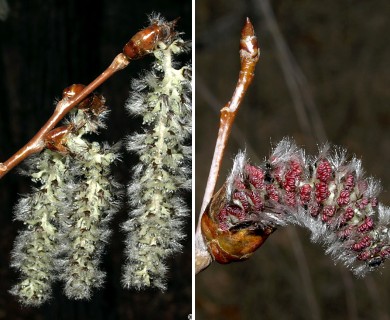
point(45, 46)
point(323, 75)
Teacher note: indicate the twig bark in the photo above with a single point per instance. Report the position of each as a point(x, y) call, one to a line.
point(249, 56)
point(37, 143)
point(141, 44)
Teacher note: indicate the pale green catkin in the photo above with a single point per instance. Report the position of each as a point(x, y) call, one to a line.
point(163, 98)
point(84, 228)
point(66, 215)
point(84, 223)
point(36, 246)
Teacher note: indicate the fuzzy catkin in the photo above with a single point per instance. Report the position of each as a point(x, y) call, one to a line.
point(67, 215)
point(36, 247)
point(326, 194)
point(154, 228)
point(84, 228)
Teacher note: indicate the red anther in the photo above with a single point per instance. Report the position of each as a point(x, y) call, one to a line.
point(329, 211)
point(325, 218)
point(236, 211)
point(346, 233)
point(290, 199)
point(385, 252)
point(239, 184)
point(322, 191)
point(343, 198)
point(324, 171)
point(292, 176)
point(289, 184)
point(367, 225)
point(349, 182)
point(374, 202)
point(314, 209)
point(362, 244)
point(362, 203)
point(255, 176)
point(272, 192)
point(146, 40)
point(277, 174)
point(222, 216)
point(242, 198)
point(348, 214)
point(305, 193)
point(363, 256)
point(257, 203)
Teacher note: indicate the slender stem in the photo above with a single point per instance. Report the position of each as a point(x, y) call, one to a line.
point(249, 55)
point(37, 143)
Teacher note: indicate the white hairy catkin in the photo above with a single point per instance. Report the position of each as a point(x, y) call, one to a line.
point(154, 229)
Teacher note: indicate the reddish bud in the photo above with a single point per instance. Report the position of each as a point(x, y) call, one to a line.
point(55, 139)
point(146, 40)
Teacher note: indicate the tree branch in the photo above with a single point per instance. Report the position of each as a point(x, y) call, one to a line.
point(249, 56)
point(141, 44)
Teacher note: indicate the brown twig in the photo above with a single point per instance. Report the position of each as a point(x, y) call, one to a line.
point(142, 43)
point(37, 143)
point(249, 55)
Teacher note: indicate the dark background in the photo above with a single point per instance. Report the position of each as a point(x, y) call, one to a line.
point(45, 46)
point(337, 63)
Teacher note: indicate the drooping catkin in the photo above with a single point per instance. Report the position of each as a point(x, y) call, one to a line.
point(67, 214)
point(36, 247)
point(327, 194)
point(154, 229)
point(83, 227)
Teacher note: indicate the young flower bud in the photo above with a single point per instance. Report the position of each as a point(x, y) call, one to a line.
point(146, 40)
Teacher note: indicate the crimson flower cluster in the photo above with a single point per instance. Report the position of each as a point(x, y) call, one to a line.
point(327, 194)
